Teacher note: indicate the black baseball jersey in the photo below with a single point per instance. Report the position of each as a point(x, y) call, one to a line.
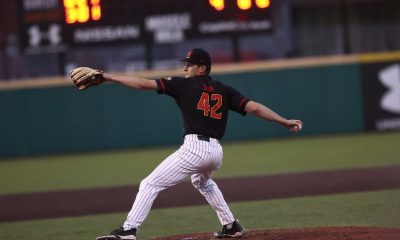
point(204, 103)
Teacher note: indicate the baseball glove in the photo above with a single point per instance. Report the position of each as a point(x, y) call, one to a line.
point(85, 77)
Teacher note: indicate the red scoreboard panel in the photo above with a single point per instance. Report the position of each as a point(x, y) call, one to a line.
point(54, 25)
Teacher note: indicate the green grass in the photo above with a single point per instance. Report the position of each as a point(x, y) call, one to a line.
point(114, 168)
point(376, 208)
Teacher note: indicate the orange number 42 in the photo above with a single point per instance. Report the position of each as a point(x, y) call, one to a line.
point(204, 105)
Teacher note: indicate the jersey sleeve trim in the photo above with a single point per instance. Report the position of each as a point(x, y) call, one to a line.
point(160, 85)
point(242, 105)
point(241, 102)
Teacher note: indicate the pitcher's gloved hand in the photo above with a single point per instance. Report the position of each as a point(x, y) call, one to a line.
point(85, 77)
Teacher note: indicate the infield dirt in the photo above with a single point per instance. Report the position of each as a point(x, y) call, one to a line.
point(323, 233)
point(56, 204)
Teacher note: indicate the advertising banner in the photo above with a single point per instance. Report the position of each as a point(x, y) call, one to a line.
point(381, 95)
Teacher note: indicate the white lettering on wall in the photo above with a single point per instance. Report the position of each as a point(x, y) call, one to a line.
point(29, 5)
point(106, 34)
point(231, 26)
point(168, 28)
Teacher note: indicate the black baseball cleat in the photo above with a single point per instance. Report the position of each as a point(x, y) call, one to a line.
point(120, 234)
point(232, 230)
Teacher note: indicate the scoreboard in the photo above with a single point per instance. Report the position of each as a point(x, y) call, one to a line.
point(55, 25)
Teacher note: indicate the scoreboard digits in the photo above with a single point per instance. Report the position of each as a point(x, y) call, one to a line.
point(81, 11)
point(55, 25)
point(218, 5)
point(247, 4)
point(263, 3)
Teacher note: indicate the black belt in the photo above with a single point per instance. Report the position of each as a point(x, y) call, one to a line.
point(203, 138)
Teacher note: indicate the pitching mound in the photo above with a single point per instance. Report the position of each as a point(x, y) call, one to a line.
point(323, 233)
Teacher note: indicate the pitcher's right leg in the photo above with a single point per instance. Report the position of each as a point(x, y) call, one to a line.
point(167, 174)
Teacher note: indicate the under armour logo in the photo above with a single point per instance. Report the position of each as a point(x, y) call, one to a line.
point(390, 78)
point(53, 35)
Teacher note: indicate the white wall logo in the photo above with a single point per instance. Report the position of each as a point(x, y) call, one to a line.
point(36, 36)
point(168, 28)
point(390, 78)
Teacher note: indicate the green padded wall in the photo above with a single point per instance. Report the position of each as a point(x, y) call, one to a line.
point(62, 120)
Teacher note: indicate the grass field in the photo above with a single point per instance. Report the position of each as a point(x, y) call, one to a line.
point(240, 159)
point(375, 208)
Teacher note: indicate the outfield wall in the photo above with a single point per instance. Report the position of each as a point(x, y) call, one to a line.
point(53, 117)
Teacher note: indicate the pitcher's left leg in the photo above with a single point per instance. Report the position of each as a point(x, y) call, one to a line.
point(209, 189)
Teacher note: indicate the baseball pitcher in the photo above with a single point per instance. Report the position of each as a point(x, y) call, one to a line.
point(204, 104)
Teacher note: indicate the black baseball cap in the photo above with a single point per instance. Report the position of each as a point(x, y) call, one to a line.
point(198, 56)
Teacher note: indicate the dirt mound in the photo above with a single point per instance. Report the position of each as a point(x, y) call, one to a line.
point(322, 233)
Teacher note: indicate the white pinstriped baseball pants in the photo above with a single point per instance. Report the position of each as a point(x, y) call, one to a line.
point(195, 158)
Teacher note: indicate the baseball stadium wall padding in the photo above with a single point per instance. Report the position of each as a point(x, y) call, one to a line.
point(61, 119)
